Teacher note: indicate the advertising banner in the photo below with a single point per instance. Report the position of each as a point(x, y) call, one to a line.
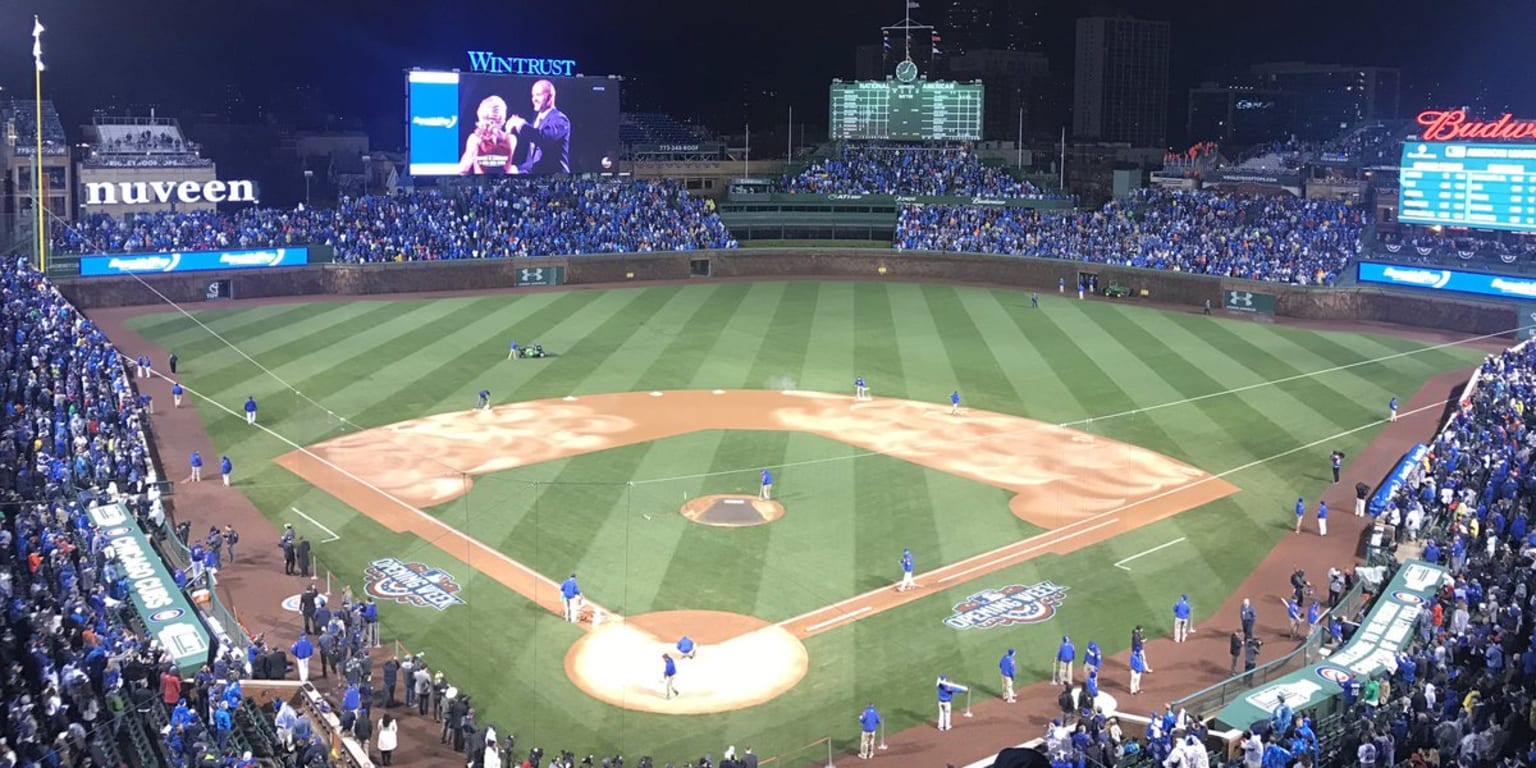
point(1371, 651)
point(1447, 280)
point(191, 261)
point(171, 620)
point(540, 276)
point(1248, 302)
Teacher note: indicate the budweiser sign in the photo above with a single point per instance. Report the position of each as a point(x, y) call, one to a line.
point(1452, 124)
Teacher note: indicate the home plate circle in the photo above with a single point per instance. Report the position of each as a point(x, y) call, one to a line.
point(292, 603)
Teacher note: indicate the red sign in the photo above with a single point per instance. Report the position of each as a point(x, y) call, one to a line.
point(1450, 125)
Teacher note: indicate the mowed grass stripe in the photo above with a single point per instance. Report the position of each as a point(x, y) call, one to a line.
point(1250, 429)
point(828, 362)
point(299, 353)
point(876, 350)
point(174, 331)
point(1042, 395)
point(260, 340)
point(1050, 333)
point(1307, 405)
point(665, 350)
point(899, 485)
point(970, 354)
point(1421, 364)
point(677, 365)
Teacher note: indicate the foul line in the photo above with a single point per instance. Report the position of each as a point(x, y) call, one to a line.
point(448, 529)
point(1121, 564)
point(1003, 554)
point(334, 535)
point(839, 619)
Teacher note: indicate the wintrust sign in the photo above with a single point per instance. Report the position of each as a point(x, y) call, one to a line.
point(166, 192)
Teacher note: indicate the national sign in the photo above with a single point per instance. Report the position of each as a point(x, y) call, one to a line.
point(415, 584)
point(1007, 606)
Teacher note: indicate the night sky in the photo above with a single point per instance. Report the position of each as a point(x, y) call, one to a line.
point(720, 61)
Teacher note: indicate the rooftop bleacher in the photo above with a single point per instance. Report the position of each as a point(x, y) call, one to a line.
point(18, 119)
point(141, 143)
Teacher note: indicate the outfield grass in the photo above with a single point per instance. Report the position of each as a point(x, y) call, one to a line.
point(377, 362)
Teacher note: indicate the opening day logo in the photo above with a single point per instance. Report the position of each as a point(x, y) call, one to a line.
point(411, 584)
point(1008, 606)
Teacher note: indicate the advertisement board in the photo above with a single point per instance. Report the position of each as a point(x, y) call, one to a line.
point(464, 123)
point(1248, 302)
point(104, 265)
point(167, 614)
point(1463, 184)
point(1448, 280)
point(540, 276)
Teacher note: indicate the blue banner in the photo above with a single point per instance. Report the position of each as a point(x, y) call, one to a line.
point(191, 261)
point(434, 130)
point(1453, 280)
point(1396, 479)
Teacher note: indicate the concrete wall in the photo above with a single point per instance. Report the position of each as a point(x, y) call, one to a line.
point(1333, 304)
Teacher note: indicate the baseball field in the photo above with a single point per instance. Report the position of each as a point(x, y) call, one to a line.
point(1089, 432)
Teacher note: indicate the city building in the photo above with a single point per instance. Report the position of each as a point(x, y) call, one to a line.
point(1330, 98)
point(1120, 85)
point(1018, 95)
point(18, 151)
point(1239, 115)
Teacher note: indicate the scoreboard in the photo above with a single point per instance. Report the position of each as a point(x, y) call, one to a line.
point(921, 110)
point(1464, 184)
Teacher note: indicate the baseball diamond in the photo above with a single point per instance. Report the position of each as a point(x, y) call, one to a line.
point(1089, 432)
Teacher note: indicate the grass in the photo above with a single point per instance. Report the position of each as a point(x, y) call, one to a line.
point(377, 362)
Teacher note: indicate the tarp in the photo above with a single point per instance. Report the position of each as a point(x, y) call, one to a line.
point(171, 619)
point(1396, 478)
point(1371, 651)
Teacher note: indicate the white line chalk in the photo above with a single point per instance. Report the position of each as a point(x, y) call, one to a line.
point(845, 617)
point(1121, 564)
point(334, 536)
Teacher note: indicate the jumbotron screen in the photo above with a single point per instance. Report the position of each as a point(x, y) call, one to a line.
point(466, 124)
point(925, 111)
point(1461, 184)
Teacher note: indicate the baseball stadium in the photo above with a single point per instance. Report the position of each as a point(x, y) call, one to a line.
point(897, 450)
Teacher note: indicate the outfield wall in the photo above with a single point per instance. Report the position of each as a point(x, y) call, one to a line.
point(1352, 304)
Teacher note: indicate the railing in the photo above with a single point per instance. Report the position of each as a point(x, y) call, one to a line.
point(178, 556)
point(1206, 702)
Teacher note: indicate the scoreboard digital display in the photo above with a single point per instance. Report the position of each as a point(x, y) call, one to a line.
point(1468, 184)
point(931, 111)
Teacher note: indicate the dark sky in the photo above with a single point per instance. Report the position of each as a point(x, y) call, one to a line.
point(716, 59)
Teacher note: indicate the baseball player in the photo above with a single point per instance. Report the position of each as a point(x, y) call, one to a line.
point(765, 489)
point(250, 410)
point(907, 565)
point(1093, 658)
point(686, 648)
point(196, 460)
point(668, 674)
point(860, 389)
point(1181, 619)
point(946, 696)
point(1061, 285)
point(1322, 518)
point(1138, 668)
point(485, 400)
point(1392, 409)
point(1008, 668)
point(1061, 672)
point(512, 350)
point(869, 723)
point(570, 597)
point(1301, 513)
point(954, 402)
point(176, 392)
point(226, 468)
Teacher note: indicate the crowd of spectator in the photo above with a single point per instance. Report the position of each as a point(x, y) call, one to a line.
point(1423, 245)
point(515, 218)
point(73, 433)
point(23, 114)
point(881, 169)
point(1274, 238)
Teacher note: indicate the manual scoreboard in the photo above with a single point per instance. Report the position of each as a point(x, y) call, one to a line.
point(918, 110)
point(1460, 184)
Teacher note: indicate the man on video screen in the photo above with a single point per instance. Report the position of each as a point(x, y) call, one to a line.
point(490, 146)
point(548, 135)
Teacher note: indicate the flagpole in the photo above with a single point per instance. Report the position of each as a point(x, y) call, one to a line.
point(37, 169)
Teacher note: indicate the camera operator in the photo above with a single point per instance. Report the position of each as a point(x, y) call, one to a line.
point(1251, 648)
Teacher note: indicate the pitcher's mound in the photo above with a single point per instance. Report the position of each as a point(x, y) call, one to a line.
point(739, 662)
point(732, 510)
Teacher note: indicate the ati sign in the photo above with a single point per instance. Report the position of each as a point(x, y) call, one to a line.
point(540, 276)
point(1008, 606)
point(167, 192)
point(415, 584)
point(1248, 301)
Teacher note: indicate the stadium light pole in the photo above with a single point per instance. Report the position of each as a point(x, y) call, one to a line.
point(308, 174)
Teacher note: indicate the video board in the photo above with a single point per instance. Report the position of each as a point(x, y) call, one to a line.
point(466, 124)
point(1465, 184)
point(921, 110)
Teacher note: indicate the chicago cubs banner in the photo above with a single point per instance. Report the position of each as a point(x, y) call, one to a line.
point(167, 614)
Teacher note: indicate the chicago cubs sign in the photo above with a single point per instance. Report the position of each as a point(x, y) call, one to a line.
point(1008, 606)
point(415, 584)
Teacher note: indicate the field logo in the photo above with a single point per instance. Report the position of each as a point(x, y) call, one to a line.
point(1335, 675)
point(1010, 605)
point(415, 584)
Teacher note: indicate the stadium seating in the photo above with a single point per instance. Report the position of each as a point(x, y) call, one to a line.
point(882, 169)
point(23, 114)
point(642, 128)
point(519, 218)
point(1280, 239)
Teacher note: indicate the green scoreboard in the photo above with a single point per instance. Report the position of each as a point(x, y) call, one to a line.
point(912, 110)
